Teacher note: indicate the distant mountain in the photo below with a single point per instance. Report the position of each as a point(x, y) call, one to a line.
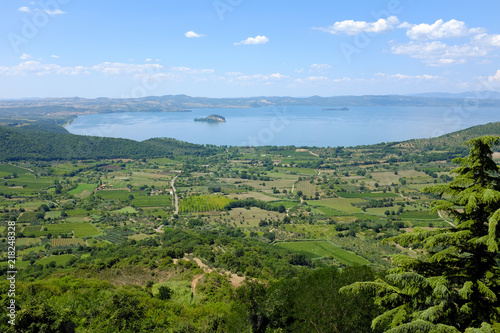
point(467, 95)
point(71, 107)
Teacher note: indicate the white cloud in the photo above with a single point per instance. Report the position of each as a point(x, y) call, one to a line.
point(312, 79)
point(148, 60)
point(24, 9)
point(233, 74)
point(351, 27)
point(320, 66)
point(487, 40)
point(192, 34)
point(25, 56)
point(188, 70)
point(437, 53)
point(495, 78)
point(54, 12)
point(407, 77)
point(427, 45)
point(253, 40)
point(278, 76)
point(37, 68)
point(439, 30)
point(54, 56)
point(117, 68)
point(137, 71)
point(252, 79)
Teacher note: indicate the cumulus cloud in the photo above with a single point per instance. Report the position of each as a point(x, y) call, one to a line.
point(495, 78)
point(37, 68)
point(428, 46)
point(136, 71)
point(54, 56)
point(312, 79)
point(351, 27)
point(439, 30)
point(487, 40)
point(117, 68)
point(192, 71)
point(53, 12)
point(320, 67)
point(407, 77)
point(253, 40)
point(437, 53)
point(24, 9)
point(192, 34)
point(253, 79)
point(278, 76)
point(25, 56)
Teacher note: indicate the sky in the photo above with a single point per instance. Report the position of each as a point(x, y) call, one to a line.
point(245, 48)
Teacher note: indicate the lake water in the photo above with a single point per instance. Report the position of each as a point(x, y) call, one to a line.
point(281, 126)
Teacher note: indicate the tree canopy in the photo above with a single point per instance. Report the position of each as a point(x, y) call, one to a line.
point(454, 286)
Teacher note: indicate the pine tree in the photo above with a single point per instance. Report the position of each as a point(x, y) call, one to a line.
point(455, 285)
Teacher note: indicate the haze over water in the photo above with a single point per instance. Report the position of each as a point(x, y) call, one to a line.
point(281, 126)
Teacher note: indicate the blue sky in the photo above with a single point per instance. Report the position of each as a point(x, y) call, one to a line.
point(240, 48)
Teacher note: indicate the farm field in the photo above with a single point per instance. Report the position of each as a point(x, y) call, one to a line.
point(296, 171)
point(8, 170)
point(245, 218)
point(323, 249)
point(203, 203)
point(366, 195)
point(60, 260)
point(66, 241)
point(53, 214)
point(341, 204)
point(114, 194)
point(256, 195)
point(125, 210)
point(163, 200)
point(82, 189)
point(80, 229)
point(306, 188)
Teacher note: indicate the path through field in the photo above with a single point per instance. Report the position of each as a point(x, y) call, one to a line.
point(176, 199)
point(235, 280)
point(444, 219)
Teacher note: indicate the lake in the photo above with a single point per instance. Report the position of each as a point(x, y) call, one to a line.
point(291, 125)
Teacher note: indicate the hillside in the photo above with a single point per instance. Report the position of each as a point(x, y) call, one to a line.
point(55, 143)
point(455, 139)
point(47, 141)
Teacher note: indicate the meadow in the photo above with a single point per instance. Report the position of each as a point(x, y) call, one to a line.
point(316, 250)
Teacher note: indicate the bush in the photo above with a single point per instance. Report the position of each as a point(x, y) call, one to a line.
point(165, 293)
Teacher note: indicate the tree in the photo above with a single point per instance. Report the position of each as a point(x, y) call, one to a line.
point(165, 293)
point(455, 286)
point(310, 302)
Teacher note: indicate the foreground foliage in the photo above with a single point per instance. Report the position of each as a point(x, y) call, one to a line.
point(455, 286)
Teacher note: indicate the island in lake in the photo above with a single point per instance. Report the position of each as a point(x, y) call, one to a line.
point(213, 118)
point(345, 108)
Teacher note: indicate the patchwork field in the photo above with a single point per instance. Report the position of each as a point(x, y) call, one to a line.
point(323, 249)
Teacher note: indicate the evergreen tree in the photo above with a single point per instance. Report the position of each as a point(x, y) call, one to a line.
point(455, 285)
